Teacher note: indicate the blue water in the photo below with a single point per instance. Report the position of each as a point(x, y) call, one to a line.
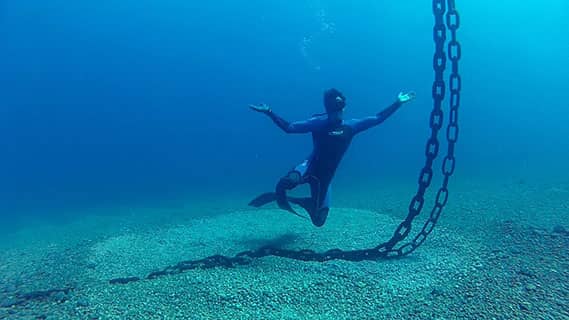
point(133, 102)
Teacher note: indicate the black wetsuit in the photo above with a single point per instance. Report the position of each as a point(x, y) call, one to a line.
point(331, 140)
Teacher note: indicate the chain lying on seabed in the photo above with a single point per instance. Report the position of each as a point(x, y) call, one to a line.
point(387, 250)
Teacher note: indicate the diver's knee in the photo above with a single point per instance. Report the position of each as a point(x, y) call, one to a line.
point(318, 223)
point(320, 217)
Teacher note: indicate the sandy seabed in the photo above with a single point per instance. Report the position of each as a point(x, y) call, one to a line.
point(472, 268)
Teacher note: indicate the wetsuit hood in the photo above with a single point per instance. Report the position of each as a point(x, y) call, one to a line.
point(334, 101)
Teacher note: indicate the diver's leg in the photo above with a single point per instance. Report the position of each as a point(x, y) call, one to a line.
point(319, 218)
point(327, 198)
point(288, 182)
point(319, 212)
point(322, 212)
point(294, 177)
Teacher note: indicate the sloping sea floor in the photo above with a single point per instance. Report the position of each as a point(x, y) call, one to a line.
point(500, 251)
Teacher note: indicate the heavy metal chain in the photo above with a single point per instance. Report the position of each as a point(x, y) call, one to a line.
point(389, 249)
point(436, 120)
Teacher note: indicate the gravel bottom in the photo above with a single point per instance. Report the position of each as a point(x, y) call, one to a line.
point(501, 273)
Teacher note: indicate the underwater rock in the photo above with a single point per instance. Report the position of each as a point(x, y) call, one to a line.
point(539, 232)
point(82, 303)
point(8, 302)
point(525, 306)
point(438, 291)
point(8, 288)
point(531, 287)
point(527, 272)
point(560, 229)
point(60, 296)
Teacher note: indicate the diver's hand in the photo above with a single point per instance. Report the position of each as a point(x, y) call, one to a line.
point(262, 108)
point(406, 97)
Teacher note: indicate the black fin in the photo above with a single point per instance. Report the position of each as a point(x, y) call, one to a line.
point(282, 202)
point(306, 203)
point(269, 197)
point(263, 199)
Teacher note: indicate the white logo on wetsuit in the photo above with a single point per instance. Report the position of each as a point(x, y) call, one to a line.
point(336, 132)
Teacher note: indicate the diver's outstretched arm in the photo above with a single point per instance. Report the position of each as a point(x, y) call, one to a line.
point(369, 122)
point(288, 127)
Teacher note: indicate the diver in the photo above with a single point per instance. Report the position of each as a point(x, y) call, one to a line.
point(331, 137)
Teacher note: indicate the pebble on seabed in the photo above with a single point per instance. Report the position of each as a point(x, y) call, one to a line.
point(560, 229)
